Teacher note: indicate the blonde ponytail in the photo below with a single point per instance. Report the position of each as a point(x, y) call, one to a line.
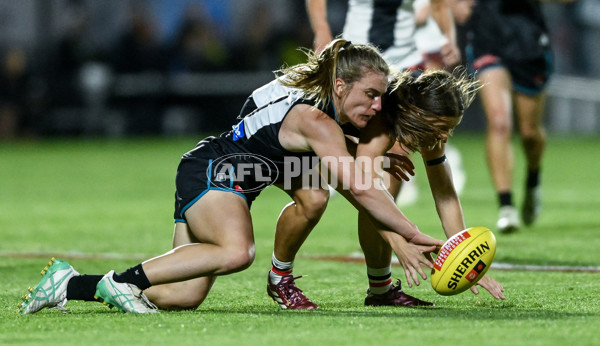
point(339, 59)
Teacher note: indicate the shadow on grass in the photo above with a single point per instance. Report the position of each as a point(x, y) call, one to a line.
point(501, 311)
point(487, 311)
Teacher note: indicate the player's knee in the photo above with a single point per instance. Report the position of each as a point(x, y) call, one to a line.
point(500, 126)
point(532, 134)
point(239, 258)
point(528, 137)
point(313, 204)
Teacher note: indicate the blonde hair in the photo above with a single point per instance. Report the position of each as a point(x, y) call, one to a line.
point(339, 59)
point(420, 108)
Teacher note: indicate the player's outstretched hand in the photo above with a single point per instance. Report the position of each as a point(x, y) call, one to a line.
point(413, 257)
point(493, 286)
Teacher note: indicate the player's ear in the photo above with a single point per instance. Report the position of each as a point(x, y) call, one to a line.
point(339, 87)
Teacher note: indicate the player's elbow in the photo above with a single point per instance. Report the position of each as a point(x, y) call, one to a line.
point(358, 191)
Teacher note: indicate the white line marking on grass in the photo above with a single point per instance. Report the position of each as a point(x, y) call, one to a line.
point(358, 257)
point(77, 255)
point(545, 268)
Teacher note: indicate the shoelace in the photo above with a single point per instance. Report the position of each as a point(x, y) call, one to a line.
point(396, 290)
point(61, 307)
point(148, 302)
point(292, 292)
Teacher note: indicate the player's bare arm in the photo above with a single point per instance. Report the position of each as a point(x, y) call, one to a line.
point(317, 13)
point(441, 13)
point(448, 206)
point(442, 188)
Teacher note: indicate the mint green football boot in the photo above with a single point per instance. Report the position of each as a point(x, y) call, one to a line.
point(51, 291)
point(124, 296)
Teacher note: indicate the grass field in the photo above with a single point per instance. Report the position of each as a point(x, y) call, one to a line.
point(106, 204)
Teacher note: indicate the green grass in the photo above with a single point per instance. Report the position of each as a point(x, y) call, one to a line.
point(82, 197)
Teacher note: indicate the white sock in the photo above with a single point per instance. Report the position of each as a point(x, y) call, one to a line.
point(279, 269)
point(380, 279)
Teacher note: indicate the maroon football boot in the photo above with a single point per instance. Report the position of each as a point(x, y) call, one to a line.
point(288, 295)
point(394, 297)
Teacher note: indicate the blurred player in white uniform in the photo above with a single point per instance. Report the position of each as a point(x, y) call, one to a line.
point(390, 26)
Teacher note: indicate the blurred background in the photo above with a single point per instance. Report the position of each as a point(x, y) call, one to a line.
point(117, 68)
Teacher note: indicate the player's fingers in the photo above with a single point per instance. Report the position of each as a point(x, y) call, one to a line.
point(428, 262)
point(397, 173)
point(427, 249)
point(406, 169)
point(409, 168)
point(423, 239)
point(494, 288)
point(400, 175)
point(422, 273)
point(428, 257)
point(416, 270)
point(408, 277)
point(411, 273)
point(415, 277)
point(499, 294)
point(400, 158)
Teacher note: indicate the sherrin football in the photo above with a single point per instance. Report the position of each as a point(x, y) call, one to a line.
point(463, 260)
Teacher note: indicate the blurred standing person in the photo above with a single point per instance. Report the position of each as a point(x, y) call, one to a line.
point(199, 44)
point(272, 41)
point(139, 56)
point(14, 83)
point(256, 42)
point(587, 16)
point(509, 49)
point(73, 50)
point(138, 49)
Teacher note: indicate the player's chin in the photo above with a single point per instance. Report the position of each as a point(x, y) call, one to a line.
point(364, 120)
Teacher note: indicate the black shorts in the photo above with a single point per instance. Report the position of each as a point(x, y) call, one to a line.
point(196, 176)
point(529, 77)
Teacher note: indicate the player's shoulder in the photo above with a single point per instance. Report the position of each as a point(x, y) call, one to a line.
point(378, 130)
point(309, 119)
